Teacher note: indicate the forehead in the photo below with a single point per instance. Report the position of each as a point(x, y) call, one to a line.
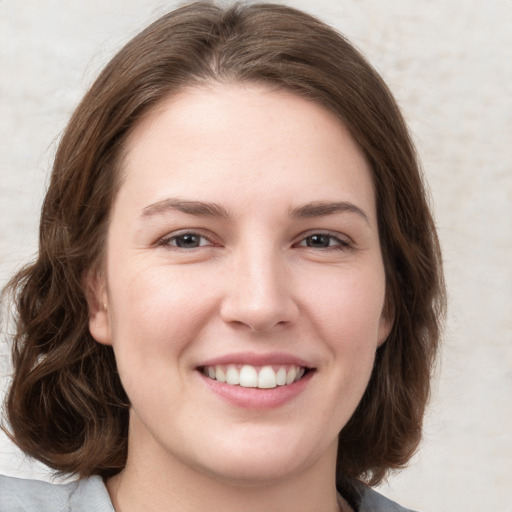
point(230, 139)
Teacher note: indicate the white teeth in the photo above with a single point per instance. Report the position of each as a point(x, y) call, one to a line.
point(219, 374)
point(281, 376)
point(267, 378)
point(232, 375)
point(247, 376)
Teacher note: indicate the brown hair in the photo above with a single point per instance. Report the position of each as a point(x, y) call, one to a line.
point(66, 405)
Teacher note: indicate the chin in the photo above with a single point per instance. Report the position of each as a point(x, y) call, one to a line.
point(252, 473)
point(263, 463)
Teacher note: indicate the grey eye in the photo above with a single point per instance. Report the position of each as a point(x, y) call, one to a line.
point(188, 241)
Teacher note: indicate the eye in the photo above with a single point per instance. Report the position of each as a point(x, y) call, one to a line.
point(185, 241)
point(323, 241)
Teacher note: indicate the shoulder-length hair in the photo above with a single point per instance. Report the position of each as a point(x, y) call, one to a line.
point(66, 405)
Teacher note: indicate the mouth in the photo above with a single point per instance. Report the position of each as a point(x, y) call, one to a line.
point(262, 377)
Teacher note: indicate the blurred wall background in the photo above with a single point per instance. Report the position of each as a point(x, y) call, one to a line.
point(449, 63)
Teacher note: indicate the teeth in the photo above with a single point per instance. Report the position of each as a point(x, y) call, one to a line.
point(232, 375)
point(281, 376)
point(219, 374)
point(247, 376)
point(267, 378)
point(290, 375)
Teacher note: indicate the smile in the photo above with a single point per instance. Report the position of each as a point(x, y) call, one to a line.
point(247, 376)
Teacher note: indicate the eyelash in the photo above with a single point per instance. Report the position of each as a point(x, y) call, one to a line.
point(339, 245)
point(171, 242)
point(167, 241)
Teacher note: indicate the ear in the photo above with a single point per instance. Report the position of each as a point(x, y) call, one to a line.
point(387, 319)
point(385, 326)
point(97, 301)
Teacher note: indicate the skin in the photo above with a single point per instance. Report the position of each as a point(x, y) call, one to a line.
point(259, 282)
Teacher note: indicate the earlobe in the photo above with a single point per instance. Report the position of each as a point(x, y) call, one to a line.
point(386, 322)
point(385, 326)
point(97, 303)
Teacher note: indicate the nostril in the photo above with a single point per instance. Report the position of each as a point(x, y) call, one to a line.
point(256, 320)
point(258, 298)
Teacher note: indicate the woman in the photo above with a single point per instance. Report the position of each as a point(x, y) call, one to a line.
point(237, 298)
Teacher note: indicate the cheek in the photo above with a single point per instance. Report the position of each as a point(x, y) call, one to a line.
point(346, 311)
point(171, 295)
point(347, 301)
point(156, 315)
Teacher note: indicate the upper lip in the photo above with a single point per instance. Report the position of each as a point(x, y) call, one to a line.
point(254, 359)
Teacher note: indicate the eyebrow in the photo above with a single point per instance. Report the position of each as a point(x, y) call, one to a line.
point(200, 208)
point(322, 209)
point(191, 207)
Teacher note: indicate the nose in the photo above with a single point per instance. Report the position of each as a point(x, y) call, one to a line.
point(259, 293)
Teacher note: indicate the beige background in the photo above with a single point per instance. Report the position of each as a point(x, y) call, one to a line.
point(449, 63)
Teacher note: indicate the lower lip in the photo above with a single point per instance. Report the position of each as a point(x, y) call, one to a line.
point(256, 398)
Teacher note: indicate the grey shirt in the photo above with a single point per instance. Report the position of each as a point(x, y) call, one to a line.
point(90, 495)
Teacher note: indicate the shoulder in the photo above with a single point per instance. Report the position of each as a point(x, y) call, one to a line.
point(369, 500)
point(21, 495)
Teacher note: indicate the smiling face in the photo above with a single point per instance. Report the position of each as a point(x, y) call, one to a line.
point(243, 247)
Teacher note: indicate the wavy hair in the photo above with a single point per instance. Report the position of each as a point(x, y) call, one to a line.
point(66, 405)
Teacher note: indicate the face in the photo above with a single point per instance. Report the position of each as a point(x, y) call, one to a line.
point(243, 285)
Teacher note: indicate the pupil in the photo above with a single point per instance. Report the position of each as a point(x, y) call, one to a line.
point(318, 241)
point(187, 241)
